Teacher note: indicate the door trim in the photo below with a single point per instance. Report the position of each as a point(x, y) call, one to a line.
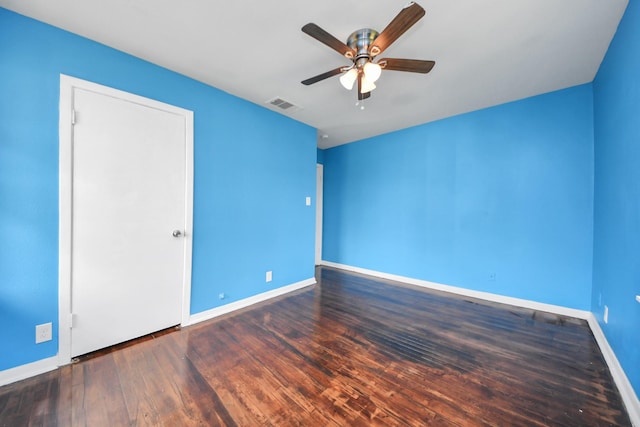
point(67, 85)
point(319, 208)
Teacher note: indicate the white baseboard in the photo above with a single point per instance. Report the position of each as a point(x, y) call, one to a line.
point(237, 305)
point(627, 393)
point(518, 302)
point(22, 372)
point(629, 396)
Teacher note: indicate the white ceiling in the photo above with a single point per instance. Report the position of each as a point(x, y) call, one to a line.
point(487, 52)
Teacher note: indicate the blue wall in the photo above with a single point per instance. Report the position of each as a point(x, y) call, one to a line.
point(498, 200)
point(253, 170)
point(616, 266)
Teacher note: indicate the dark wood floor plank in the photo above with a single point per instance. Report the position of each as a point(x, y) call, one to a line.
point(351, 351)
point(101, 401)
point(269, 372)
point(239, 375)
point(342, 356)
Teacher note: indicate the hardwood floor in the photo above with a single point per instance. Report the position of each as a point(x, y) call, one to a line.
point(350, 351)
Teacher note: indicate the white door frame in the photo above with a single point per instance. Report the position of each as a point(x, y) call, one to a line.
point(319, 202)
point(67, 85)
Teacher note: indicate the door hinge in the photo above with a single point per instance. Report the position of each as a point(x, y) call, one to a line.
point(73, 318)
point(73, 117)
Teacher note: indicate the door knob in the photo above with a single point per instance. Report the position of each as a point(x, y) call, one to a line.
point(177, 233)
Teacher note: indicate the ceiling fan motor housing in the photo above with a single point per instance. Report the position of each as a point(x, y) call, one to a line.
point(360, 41)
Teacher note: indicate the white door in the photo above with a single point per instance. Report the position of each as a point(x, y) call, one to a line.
point(319, 193)
point(128, 201)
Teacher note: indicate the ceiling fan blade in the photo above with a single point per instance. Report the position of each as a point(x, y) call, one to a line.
point(323, 76)
point(400, 24)
point(410, 65)
point(322, 36)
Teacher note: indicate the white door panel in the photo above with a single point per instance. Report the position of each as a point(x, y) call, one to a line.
point(128, 196)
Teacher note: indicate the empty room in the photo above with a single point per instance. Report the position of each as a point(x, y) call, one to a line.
point(333, 214)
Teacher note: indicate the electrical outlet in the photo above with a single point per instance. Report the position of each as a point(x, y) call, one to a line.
point(43, 333)
point(606, 314)
point(269, 276)
point(221, 295)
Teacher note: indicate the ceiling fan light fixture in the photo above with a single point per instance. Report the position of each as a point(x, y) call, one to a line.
point(349, 78)
point(366, 85)
point(363, 46)
point(372, 71)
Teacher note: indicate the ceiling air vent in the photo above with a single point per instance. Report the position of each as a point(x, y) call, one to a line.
point(283, 105)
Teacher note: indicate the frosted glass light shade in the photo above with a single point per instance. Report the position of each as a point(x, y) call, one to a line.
point(372, 71)
point(349, 78)
point(367, 85)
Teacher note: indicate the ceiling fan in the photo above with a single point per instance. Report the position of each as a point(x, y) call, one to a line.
point(363, 46)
